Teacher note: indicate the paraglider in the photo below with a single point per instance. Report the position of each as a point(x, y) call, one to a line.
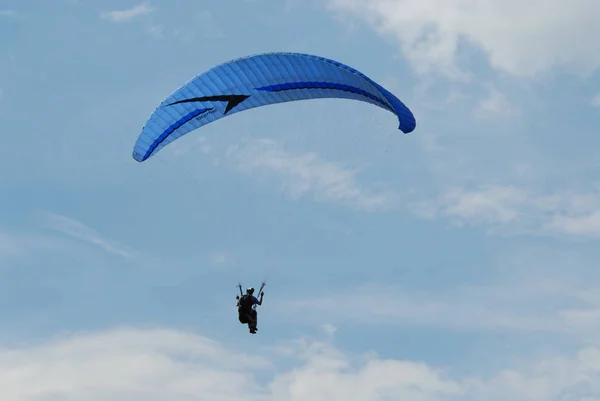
point(256, 81)
point(246, 304)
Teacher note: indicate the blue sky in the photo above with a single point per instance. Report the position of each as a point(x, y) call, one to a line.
point(456, 262)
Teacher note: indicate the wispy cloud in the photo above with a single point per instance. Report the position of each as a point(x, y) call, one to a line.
point(82, 232)
point(386, 306)
point(128, 14)
point(308, 175)
point(135, 364)
point(219, 258)
point(299, 175)
point(157, 31)
point(17, 245)
point(528, 304)
point(11, 245)
point(508, 208)
point(8, 13)
point(495, 104)
point(499, 209)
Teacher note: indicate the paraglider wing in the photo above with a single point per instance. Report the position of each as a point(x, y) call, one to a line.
point(256, 81)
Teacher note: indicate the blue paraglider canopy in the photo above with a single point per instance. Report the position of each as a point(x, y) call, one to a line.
point(257, 81)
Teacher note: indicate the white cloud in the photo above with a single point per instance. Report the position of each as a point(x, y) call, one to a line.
point(328, 375)
point(595, 101)
point(153, 365)
point(128, 14)
point(581, 224)
point(129, 365)
point(508, 208)
point(201, 143)
point(557, 378)
point(484, 205)
point(521, 38)
point(307, 174)
point(80, 231)
point(502, 209)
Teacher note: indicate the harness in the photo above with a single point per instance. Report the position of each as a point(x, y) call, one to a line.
point(245, 304)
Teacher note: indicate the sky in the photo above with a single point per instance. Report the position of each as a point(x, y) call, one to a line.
point(457, 262)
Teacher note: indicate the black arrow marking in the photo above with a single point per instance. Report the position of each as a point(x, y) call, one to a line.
point(232, 100)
